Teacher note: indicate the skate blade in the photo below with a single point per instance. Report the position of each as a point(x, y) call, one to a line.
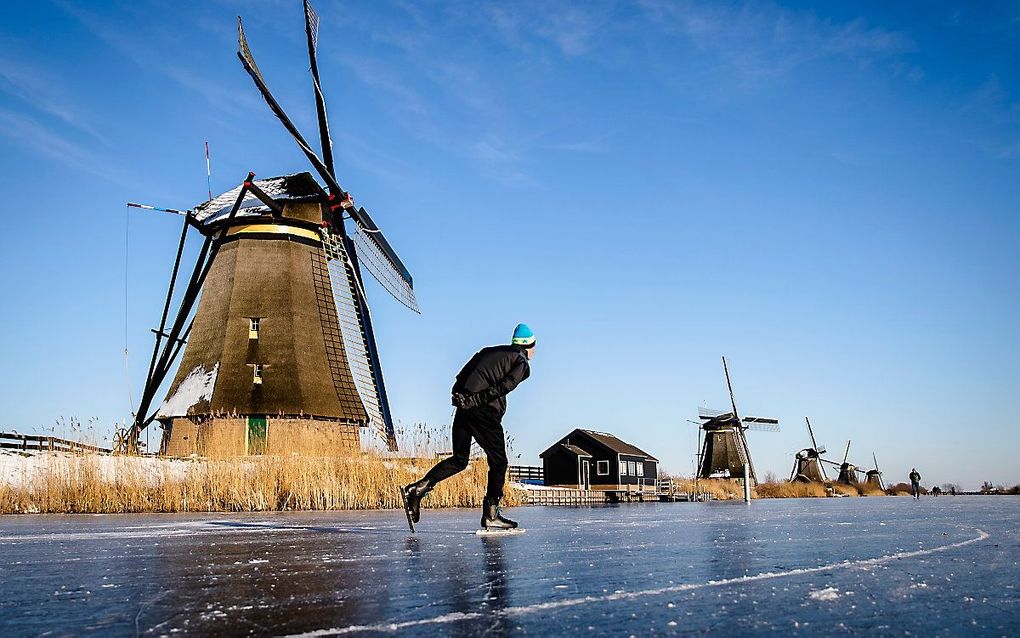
point(500, 532)
point(407, 512)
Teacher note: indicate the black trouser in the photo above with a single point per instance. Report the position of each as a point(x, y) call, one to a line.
point(915, 490)
point(485, 426)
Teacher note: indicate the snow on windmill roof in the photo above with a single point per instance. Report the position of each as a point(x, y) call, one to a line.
point(286, 188)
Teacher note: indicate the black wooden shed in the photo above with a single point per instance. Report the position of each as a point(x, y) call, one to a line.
point(585, 459)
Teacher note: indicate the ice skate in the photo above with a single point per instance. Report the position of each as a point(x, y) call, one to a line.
point(411, 495)
point(493, 520)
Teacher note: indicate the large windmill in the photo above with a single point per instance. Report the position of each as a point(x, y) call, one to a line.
point(725, 453)
point(807, 464)
point(280, 352)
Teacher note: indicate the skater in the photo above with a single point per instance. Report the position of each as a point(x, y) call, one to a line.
point(479, 394)
point(915, 483)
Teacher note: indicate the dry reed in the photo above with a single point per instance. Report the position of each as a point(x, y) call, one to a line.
point(785, 489)
point(95, 484)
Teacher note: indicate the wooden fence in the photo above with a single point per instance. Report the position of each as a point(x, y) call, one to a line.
point(532, 474)
point(15, 441)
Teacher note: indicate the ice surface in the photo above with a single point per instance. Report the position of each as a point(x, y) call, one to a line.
point(936, 566)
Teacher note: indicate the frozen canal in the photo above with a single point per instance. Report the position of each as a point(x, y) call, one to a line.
point(877, 565)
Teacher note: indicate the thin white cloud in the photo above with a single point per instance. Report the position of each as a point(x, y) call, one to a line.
point(32, 86)
point(38, 138)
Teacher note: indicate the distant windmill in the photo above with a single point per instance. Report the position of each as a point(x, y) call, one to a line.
point(807, 464)
point(874, 476)
point(847, 471)
point(725, 452)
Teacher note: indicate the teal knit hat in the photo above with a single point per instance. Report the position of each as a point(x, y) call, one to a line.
point(523, 336)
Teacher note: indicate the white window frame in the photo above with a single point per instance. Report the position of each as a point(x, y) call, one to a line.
point(641, 468)
point(631, 468)
point(623, 468)
point(598, 468)
point(254, 323)
point(257, 370)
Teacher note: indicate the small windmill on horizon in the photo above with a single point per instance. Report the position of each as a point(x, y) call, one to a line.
point(280, 353)
point(725, 452)
point(807, 464)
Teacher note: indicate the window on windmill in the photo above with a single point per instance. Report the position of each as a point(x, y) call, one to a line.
point(253, 327)
point(258, 374)
point(602, 468)
point(623, 468)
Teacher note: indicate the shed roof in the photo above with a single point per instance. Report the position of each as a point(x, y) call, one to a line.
point(616, 445)
point(601, 438)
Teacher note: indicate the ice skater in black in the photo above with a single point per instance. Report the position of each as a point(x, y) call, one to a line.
point(915, 483)
point(479, 394)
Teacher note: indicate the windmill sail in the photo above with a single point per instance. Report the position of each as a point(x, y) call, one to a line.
point(312, 34)
point(392, 276)
point(377, 253)
point(347, 293)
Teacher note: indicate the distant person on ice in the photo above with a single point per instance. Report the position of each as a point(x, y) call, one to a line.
point(479, 394)
point(915, 483)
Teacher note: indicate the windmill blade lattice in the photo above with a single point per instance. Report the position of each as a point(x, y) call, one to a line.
point(345, 285)
point(388, 274)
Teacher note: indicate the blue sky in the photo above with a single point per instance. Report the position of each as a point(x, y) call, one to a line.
point(826, 193)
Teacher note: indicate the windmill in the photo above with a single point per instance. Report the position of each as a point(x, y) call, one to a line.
point(847, 471)
point(807, 464)
point(725, 453)
point(873, 477)
point(280, 350)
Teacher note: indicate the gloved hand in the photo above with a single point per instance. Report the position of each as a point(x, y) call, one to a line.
point(463, 401)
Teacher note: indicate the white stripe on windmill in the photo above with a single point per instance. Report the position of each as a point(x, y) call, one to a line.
point(725, 452)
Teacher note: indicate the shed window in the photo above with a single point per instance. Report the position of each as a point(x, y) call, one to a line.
point(253, 327)
point(623, 468)
point(632, 467)
point(602, 468)
point(258, 374)
point(641, 469)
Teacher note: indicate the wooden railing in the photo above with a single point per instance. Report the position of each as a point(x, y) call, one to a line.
point(15, 441)
point(527, 474)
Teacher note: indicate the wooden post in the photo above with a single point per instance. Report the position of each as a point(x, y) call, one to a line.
point(747, 485)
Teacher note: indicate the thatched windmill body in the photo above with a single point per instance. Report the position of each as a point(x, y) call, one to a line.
point(725, 453)
point(280, 354)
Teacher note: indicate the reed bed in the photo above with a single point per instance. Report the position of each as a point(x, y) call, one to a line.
point(785, 489)
point(106, 485)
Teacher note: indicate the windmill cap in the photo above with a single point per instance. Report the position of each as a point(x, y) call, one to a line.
point(523, 336)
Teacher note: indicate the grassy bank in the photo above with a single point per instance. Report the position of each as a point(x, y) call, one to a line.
point(66, 483)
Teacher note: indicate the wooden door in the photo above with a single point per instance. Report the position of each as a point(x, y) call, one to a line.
point(257, 433)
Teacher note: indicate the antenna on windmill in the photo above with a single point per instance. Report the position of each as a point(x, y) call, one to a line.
point(208, 171)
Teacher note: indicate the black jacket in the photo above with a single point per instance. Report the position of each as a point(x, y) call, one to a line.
point(492, 374)
point(915, 477)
